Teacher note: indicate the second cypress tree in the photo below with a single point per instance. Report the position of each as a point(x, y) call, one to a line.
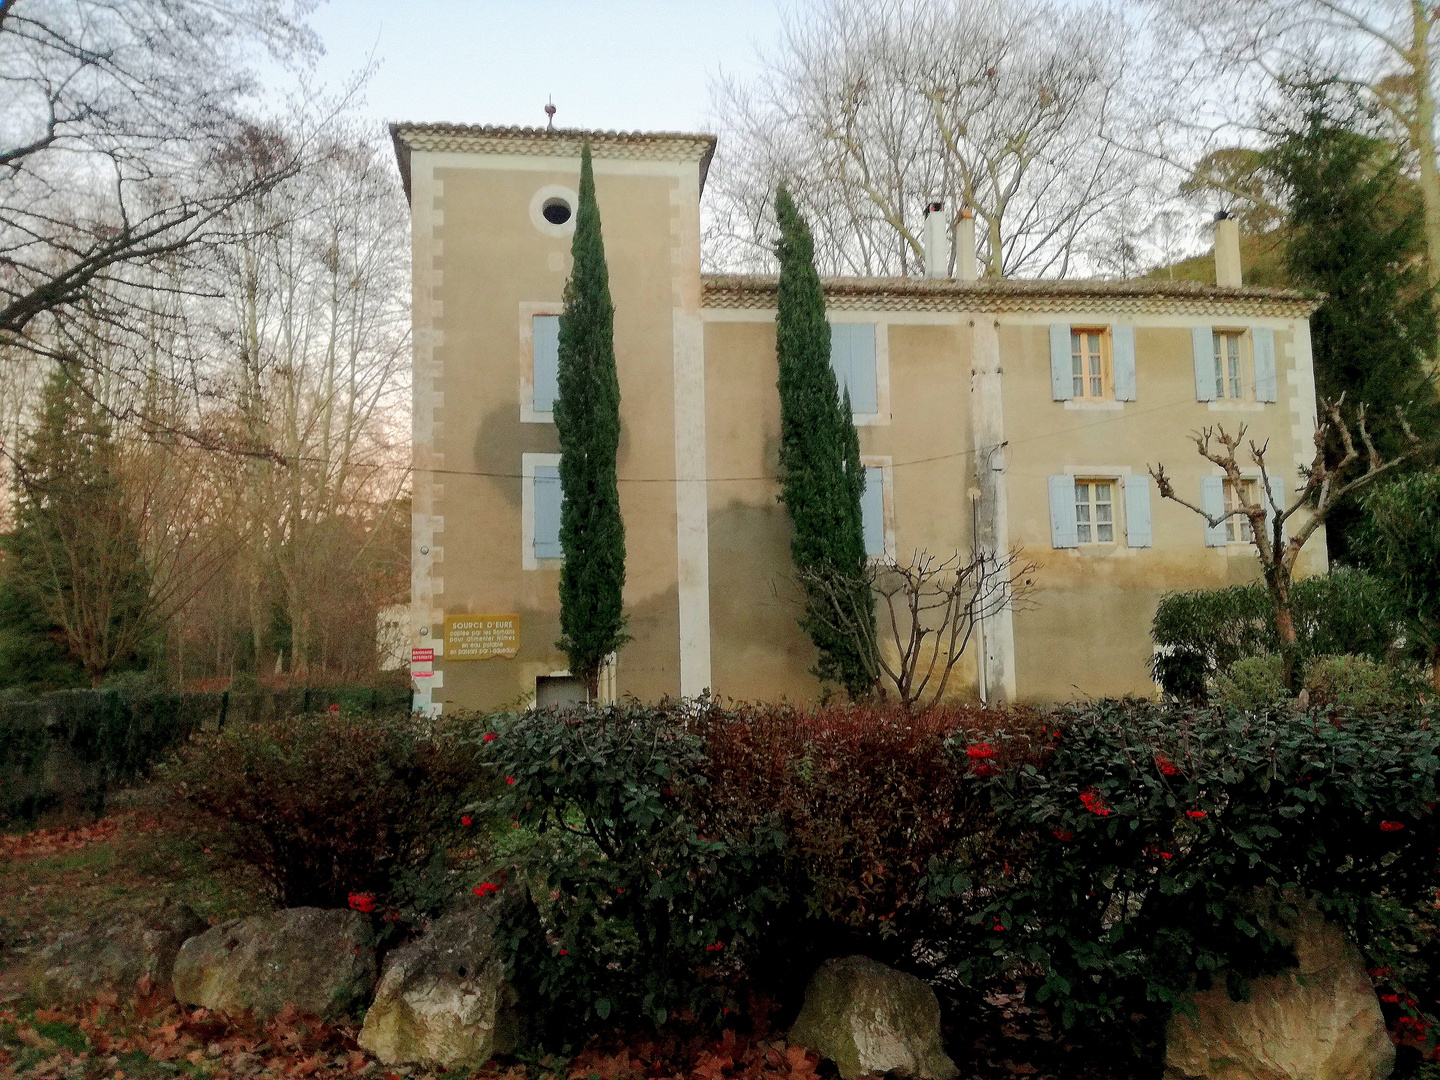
point(587, 419)
point(821, 476)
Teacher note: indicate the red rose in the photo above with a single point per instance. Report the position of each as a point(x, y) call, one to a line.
point(489, 736)
point(510, 780)
point(466, 820)
point(1197, 814)
point(980, 750)
point(564, 952)
point(1166, 766)
point(362, 902)
point(1391, 826)
point(485, 888)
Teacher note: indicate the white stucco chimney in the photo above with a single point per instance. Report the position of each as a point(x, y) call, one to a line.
point(965, 245)
point(1227, 250)
point(936, 238)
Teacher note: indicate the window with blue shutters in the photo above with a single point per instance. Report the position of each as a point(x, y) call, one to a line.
point(852, 356)
point(872, 511)
point(546, 373)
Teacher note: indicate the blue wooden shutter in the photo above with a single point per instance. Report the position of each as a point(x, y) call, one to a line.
point(1262, 340)
point(1062, 385)
point(546, 329)
point(547, 512)
point(852, 357)
point(1122, 348)
point(872, 511)
point(1202, 339)
point(1277, 498)
point(1212, 501)
point(1062, 512)
point(1137, 511)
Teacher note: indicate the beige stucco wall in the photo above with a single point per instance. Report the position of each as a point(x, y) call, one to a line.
point(1087, 633)
point(485, 259)
point(757, 649)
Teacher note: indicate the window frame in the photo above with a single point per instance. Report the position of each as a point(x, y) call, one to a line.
point(1238, 525)
point(1107, 364)
point(1245, 360)
point(1116, 531)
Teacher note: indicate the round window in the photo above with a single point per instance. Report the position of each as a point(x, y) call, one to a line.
point(555, 211)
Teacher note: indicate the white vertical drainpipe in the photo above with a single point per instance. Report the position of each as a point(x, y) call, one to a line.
point(936, 237)
point(1227, 250)
point(965, 245)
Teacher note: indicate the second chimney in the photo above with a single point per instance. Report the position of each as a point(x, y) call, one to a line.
point(965, 245)
point(1227, 250)
point(936, 237)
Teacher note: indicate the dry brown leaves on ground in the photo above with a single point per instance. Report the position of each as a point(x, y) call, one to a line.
point(54, 841)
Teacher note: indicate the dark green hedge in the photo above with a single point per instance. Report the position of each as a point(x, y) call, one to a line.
point(73, 746)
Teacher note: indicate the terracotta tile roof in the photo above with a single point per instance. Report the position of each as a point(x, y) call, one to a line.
point(1014, 295)
point(547, 142)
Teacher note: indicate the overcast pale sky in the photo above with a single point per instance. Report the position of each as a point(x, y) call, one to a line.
point(626, 64)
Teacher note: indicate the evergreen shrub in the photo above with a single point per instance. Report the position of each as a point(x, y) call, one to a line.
point(1158, 849)
point(1203, 632)
point(1360, 683)
point(325, 805)
point(1114, 854)
point(1254, 682)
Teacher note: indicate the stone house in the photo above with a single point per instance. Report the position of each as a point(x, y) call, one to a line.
point(991, 414)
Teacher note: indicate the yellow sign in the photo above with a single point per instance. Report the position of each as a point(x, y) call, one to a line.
point(481, 637)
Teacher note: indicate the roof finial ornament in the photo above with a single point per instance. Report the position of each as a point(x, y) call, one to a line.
point(550, 112)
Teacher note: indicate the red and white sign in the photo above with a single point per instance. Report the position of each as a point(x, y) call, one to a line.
point(422, 656)
point(421, 674)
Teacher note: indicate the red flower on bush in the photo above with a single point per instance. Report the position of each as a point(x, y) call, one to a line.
point(466, 820)
point(1197, 814)
point(716, 947)
point(334, 708)
point(979, 751)
point(1064, 835)
point(1391, 826)
point(564, 952)
point(1093, 801)
point(1390, 999)
point(510, 780)
point(986, 770)
point(362, 902)
point(619, 890)
point(998, 928)
point(1156, 851)
point(485, 888)
point(489, 736)
point(1166, 766)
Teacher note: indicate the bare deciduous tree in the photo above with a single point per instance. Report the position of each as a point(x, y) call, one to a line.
point(116, 112)
point(933, 605)
point(1329, 479)
point(874, 108)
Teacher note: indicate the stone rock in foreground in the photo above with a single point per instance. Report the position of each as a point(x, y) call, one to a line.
point(320, 960)
point(868, 1018)
point(443, 999)
point(1317, 1021)
point(115, 958)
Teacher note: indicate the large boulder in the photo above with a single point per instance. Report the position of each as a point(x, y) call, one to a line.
point(443, 998)
point(115, 957)
point(322, 961)
point(868, 1018)
point(1317, 1021)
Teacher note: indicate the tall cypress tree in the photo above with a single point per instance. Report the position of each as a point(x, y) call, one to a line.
point(821, 478)
point(587, 418)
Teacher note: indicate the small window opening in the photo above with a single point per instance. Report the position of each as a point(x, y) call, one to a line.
point(556, 211)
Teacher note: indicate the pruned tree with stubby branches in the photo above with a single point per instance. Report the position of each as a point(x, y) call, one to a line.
point(933, 605)
point(1346, 461)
